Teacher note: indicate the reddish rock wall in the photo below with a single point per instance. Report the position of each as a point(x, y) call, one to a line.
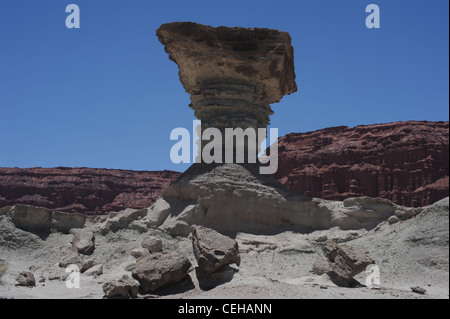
point(85, 190)
point(406, 162)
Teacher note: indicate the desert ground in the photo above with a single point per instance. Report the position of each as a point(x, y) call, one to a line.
point(409, 253)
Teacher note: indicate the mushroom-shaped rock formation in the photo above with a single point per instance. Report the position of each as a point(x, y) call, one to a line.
point(232, 74)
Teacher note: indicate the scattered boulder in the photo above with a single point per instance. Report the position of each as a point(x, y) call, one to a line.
point(53, 275)
point(346, 261)
point(393, 220)
point(130, 267)
point(153, 244)
point(124, 287)
point(320, 267)
point(160, 269)
point(418, 290)
point(158, 212)
point(125, 217)
point(26, 278)
point(176, 227)
point(42, 220)
point(87, 264)
point(321, 239)
point(71, 259)
point(139, 252)
point(31, 218)
point(83, 241)
point(214, 250)
point(95, 270)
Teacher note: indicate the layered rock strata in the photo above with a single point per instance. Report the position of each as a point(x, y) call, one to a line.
point(232, 74)
point(82, 190)
point(405, 162)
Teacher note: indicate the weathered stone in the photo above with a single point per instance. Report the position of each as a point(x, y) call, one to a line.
point(330, 251)
point(138, 225)
point(139, 252)
point(95, 270)
point(26, 278)
point(130, 267)
point(176, 227)
point(214, 250)
point(321, 239)
point(152, 243)
point(204, 53)
point(393, 220)
point(160, 269)
point(64, 222)
point(42, 220)
point(86, 265)
point(31, 218)
point(320, 267)
point(124, 218)
point(71, 259)
point(124, 287)
point(158, 212)
point(83, 241)
point(345, 261)
point(232, 74)
point(419, 290)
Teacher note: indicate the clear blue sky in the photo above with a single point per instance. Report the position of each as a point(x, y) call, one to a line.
point(107, 96)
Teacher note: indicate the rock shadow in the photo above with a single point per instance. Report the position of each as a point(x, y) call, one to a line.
point(208, 281)
point(344, 282)
point(183, 286)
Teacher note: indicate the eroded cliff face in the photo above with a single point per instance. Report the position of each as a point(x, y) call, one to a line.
point(405, 162)
point(84, 190)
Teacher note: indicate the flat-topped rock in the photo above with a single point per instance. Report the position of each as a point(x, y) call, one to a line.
point(205, 54)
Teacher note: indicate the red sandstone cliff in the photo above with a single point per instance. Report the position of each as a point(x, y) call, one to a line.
point(406, 162)
point(85, 190)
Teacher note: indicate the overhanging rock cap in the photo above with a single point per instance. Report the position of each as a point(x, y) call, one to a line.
point(206, 54)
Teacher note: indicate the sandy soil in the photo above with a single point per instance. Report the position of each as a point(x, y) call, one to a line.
point(409, 253)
